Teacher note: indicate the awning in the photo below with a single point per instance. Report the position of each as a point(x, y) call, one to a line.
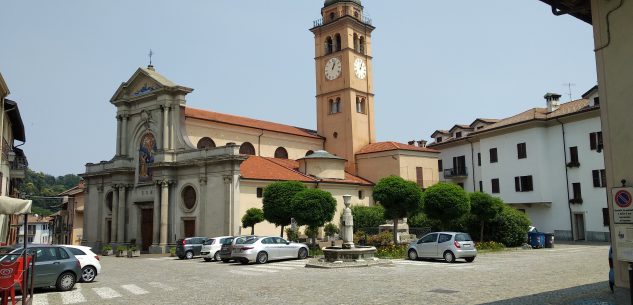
point(11, 206)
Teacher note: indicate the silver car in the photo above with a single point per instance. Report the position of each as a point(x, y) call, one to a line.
point(267, 248)
point(447, 245)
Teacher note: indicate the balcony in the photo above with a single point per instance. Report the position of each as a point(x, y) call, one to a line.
point(18, 166)
point(458, 172)
point(362, 18)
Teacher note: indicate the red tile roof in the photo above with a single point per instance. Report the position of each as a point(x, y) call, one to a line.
point(272, 169)
point(248, 122)
point(387, 146)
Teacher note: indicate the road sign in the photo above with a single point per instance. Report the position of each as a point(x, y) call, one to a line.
point(622, 208)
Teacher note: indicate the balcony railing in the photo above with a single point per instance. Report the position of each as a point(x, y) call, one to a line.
point(362, 18)
point(19, 163)
point(458, 172)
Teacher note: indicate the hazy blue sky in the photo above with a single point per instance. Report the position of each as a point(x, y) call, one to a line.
point(436, 63)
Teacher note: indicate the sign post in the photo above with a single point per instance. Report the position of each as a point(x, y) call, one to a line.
point(623, 222)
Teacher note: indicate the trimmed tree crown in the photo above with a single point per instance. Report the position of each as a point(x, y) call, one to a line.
point(277, 201)
point(313, 207)
point(446, 201)
point(399, 197)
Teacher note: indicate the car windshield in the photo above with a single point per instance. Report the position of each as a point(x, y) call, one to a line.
point(227, 241)
point(463, 237)
point(209, 242)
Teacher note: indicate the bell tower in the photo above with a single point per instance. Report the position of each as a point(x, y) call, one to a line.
point(344, 82)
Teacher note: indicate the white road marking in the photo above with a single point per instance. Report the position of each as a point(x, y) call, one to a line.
point(40, 299)
point(72, 297)
point(134, 289)
point(161, 286)
point(106, 293)
point(259, 270)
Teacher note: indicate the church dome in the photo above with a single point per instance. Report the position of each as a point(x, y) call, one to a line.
point(330, 2)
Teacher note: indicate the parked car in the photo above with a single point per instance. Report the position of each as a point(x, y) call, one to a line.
point(447, 245)
point(611, 274)
point(189, 247)
point(268, 248)
point(54, 266)
point(227, 247)
point(90, 264)
point(211, 248)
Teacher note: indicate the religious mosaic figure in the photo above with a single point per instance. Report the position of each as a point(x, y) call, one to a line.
point(146, 157)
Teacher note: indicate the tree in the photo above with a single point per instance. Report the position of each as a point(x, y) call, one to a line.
point(277, 202)
point(313, 208)
point(368, 217)
point(510, 227)
point(252, 217)
point(446, 202)
point(330, 230)
point(485, 208)
point(399, 197)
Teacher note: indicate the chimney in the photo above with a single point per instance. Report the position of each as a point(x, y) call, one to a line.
point(553, 101)
point(411, 143)
point(422, 143)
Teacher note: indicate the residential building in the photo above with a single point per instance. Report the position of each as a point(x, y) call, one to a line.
point(180, 171)
point(67, 224)
point(13, 162)
point(37, 231)
point(546, 162)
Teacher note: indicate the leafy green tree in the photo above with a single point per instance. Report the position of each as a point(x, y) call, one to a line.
point(510, 227)
point(484, 208)
point(420, 220)
point(446, 202)
point(277, 202)
point(312, 233)
point(38, 185)
point(330, 230)
point(399, 197)
point(313, 207)
point(252, 217)
point(366, 217)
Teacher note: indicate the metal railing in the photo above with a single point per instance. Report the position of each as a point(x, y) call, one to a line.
point(19, 163)
point(362, 18)
point(456, 172)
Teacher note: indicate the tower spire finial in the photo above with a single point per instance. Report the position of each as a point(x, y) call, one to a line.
point(151, 53)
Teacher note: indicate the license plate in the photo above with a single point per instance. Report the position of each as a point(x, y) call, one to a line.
point(466, 245)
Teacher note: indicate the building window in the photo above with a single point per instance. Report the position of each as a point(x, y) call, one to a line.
point(361, 195)
point(189, 197)
point(438, 139)
point(247, 149)
point(595, 141)
point(29, 239)
point(495, 186)
point(459, 166)
point(523, 184)
point(281, 153)
point(419, 177)
point(360, 104)
point(362, 45)
point(573, 157)
point(493, 155)
point(605, 217)
point(205, 143)
point(309, 152)
point(458, 134)
point(260, 192)
point(596, 101)
point(328, 45)
point(337, 42)
point(31, 229)
point(599, 178)
point(481, 186)
point(576, 191)
point(356, 44)
point(440, 166)
point(332, 16)
point(478, 159)
point(521, 151)
point(335, 106)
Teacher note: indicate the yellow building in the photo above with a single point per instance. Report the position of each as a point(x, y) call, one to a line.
point(180, 171)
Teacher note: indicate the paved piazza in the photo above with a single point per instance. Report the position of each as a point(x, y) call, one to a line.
point(567, 274)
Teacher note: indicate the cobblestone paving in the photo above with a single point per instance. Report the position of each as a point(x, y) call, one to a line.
point(567, 274)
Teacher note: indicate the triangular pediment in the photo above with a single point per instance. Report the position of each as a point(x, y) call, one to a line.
point(144, 82)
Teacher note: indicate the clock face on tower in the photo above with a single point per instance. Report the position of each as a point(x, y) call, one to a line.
point(332, 68)
point(360, 68)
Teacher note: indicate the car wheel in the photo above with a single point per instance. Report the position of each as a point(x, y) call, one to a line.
point(206, 259)
point(470, 259)
point(216, 257)
point(303, 253)
point(413, 255)
point(262, 257)
point(88, 274)
point(225, 260)
point(449, 257)
point(66, 281)
point(189, 255)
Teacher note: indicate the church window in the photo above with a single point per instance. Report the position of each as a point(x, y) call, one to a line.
point(260, 192)
point(309, 152)
point(361, 195)
point(206, 143)
point(361, 45)
point(335, 134)
point(360, 104)
point(281, 153)
point(337, 42)
point(356, 47)
point(247, 149)
point(332, 16)
point(335, 106)
point(109, 201)
point(146, 153)
point(189, 197)
point(328, 45)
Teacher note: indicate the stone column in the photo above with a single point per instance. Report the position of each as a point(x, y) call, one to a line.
point(100, 217)
point(202, 206)
point(118, 135)
point(165, 127)
point(124, 136)
point(164, 211)
point(228, 205)
point(171, 127)
point(121, 215)
point(348, 224)
point(115, 209)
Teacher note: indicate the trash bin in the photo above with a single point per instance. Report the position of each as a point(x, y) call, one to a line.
point(536, 239)
point(549, 240)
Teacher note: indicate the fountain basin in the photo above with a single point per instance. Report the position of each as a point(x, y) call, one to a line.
point(341, 254)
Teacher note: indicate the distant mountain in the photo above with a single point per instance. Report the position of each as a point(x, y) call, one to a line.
point(43, 190)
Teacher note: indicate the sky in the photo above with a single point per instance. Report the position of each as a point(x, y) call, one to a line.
point(436, 64)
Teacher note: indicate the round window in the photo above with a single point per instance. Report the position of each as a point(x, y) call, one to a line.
point(189, 197)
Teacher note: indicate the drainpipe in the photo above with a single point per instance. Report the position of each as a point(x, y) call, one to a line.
point(571, 222)
point(472, 162)
point(259, 143)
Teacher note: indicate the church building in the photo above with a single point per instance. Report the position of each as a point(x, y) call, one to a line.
point(180, 171)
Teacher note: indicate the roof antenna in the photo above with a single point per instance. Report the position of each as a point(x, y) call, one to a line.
point(569, 85)
point(150, 67)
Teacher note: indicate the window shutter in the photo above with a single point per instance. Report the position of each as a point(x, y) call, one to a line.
point(419, 176)
point(517, 184)
point(605, 217)
point(603, 177)
point(592, 141)
point(596, 178)
point(478, 159)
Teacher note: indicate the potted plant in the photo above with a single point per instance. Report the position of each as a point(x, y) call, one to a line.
point(172, 251)
point(133, 250)
point(106, 250)
point(120, 249)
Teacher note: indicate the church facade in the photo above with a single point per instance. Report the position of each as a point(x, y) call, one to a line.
point(180, 171)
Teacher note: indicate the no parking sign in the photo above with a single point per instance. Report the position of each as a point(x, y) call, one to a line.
point(622, 207)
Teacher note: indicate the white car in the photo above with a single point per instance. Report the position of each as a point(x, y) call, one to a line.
point(90, 265)
point(211, 248)
point(268, 248)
